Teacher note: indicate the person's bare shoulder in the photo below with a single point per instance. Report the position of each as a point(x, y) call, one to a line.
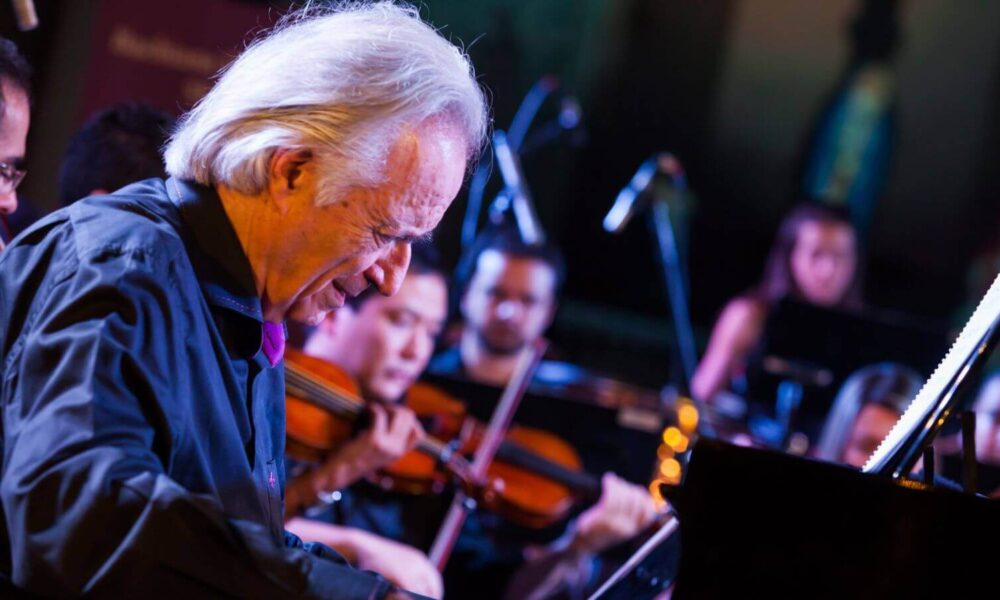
point(741, 320)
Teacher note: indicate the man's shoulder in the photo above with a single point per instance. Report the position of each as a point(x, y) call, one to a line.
point(134, 229)
point(137, 220)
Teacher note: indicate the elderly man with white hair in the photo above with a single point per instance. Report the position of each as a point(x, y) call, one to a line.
point(143, 389)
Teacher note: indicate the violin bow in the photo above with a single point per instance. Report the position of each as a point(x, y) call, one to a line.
point(500, 421)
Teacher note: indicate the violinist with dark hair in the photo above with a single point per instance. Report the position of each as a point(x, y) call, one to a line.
point(383, 343)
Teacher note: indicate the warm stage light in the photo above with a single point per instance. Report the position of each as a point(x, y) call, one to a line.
point(664, 452)
point(671, 470)
point(687, 417)
point(672, 436)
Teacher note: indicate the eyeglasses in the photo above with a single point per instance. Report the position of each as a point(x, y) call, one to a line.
point(10, 177)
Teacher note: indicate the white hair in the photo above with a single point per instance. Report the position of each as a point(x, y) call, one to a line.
point(342, 83)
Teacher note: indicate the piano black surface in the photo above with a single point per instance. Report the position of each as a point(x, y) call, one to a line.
point(758, 524)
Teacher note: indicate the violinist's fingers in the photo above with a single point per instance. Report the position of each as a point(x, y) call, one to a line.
point(417, 433)
point(645, 509)
point(379, 418)
point(405, 427)
point(614, 493)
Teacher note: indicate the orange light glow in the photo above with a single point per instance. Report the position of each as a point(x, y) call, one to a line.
point(687, 417)
point(672, 436)
point(664, 452)
point(671, 470)
point(654, 490)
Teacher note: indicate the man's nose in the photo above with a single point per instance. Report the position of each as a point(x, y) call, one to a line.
point(387, 273)
point(8, 203)
point(414, 346)
point(508, 309)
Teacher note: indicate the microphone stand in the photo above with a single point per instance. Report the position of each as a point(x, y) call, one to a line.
point(518, 129)
point(673, 277)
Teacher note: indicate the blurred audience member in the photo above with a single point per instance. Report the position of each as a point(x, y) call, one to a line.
point(115, 147)
point(867, 406)
point(15, 113)
point(814, 259)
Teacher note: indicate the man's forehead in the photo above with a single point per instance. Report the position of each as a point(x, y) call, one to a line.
point(497, 267)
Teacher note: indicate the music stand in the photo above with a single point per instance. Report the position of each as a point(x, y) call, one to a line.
point(818, 348)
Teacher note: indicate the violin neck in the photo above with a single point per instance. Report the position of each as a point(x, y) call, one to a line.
point(582, 484)
point(314, 391)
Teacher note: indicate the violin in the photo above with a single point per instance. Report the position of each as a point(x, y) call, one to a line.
point(534, 480)
point(323, 409)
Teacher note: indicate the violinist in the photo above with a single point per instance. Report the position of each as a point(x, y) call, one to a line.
point(142, 331)
point(814, 259)
point(508, 299)
point(385, 343)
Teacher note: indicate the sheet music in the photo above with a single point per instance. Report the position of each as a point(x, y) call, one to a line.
point(973, 332)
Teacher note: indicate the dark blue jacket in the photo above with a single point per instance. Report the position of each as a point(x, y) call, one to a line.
point(143, 429)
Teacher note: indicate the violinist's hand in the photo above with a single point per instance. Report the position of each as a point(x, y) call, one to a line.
point(403, 565)
point(623, 510)
point(395, 430)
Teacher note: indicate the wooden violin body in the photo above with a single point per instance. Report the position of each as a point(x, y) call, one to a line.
point(534, 480)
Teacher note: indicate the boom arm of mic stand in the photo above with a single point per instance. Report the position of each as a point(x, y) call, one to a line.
point(518, 129)
point(674, 278)
point(528, 224)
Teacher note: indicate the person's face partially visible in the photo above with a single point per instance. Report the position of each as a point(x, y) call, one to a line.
point(987, 409)
point(509, 301)
point(872, 424)
point(823, 261)
point(364, 237)
point(13, 133)
point(388, 342)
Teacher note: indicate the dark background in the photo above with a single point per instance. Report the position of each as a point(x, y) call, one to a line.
point(732, 87)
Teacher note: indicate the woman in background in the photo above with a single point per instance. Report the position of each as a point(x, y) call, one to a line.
point(814, 259)
point(867, 406)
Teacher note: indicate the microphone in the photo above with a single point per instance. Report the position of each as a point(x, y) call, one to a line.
point(24, 10)
point(627, 203)
point(522, 206)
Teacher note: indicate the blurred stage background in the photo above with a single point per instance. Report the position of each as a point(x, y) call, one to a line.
point(736, 89)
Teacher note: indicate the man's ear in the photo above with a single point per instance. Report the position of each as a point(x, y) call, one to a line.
point(290, 170)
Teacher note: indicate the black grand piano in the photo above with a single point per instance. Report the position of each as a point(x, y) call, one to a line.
point(761, 524)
